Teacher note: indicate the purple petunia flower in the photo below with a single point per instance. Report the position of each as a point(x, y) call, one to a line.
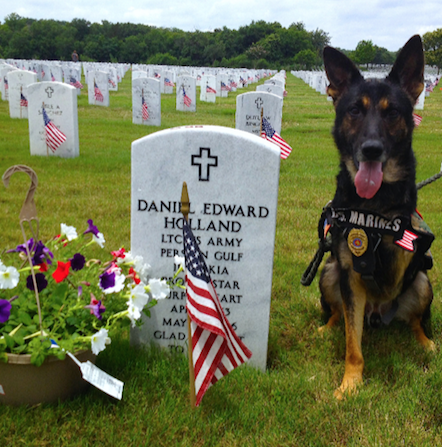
point(5, 310)
point(96, 307)
point(91, 228)
point(42, 254)
point(77, 262)
point(107, 280)
point(22, 247)
point(41, 280)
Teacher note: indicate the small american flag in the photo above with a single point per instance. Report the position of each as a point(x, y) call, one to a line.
point(23, 101)
point(233, 84)
point(186, 98)
point(54, 136)
point(144, 112)
point(42, 73)
point(97, 93)
point(271, 135)
point(157, 75)
point(75, 83)
point(210, 89)
point(5, 81)
point(406, 241)
point(417, 119)
point(216, 349)
point(168, 82)
point(224, 87)
point(111, 82)
point(243, 81)
point(52, 77)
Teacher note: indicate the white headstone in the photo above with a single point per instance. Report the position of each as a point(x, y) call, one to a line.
point(232, 215)
point(248, 111)
point(146, 91)
point(271, 88)
point(60, 104)
point(168, 82)
point(98, 88)
point(208, 88)
point(18, 81)
point(186, 94)
point(4, 86)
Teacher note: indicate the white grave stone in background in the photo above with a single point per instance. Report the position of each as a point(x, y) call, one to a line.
point(248, 111)
point(271, 88)
point(168, 82)
point(232, 179)
point(112, 79)
point(150, 90)
point(186, 94)
point(98, 80)
point(208, 88)
point(72, 76)
point(18, 81)
point(420, 101)
point(60, 103)
point(4, 70)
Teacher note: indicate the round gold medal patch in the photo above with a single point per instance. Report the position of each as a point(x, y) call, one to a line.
point(357, 241)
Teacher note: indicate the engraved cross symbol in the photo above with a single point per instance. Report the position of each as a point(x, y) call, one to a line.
point(204, 161)
point(49, 91)
point(259, 102)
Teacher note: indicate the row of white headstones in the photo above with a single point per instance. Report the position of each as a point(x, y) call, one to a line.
point(34, 100)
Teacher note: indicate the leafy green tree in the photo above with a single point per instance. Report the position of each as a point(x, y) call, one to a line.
point(306, 59)
point(432, 42)
point(364, 53)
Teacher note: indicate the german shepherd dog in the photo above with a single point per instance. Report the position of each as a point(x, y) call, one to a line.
point(369, 271)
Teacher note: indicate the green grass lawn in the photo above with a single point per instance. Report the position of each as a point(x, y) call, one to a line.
point(292, 404)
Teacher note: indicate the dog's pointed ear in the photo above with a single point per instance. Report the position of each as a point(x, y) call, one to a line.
point(408, 70)
point(341, 72)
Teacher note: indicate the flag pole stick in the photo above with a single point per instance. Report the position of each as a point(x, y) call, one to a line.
point(47, 147)
point(185, 209)
point(21, 93)
point(262, 116)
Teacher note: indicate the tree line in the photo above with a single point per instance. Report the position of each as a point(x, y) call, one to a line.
point(257, 45)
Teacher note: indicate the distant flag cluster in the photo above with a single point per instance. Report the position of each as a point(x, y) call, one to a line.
point(75, 83)
point(144, 111)
point(97, 93)
point(186, 98)
point(271, 135)
point(54, 136)
point(216, 348)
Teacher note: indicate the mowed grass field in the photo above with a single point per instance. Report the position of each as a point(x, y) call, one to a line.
point(292, 404)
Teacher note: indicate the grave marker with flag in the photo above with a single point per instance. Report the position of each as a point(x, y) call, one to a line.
point(54, 136)
point(268, 133)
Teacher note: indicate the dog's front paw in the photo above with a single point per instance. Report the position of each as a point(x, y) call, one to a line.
point(348, 387)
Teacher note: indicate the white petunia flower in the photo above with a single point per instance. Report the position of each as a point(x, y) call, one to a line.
point(99, 239)
point(138, 296)
point(179, 260)
point(134, 312)
point(69, 232)
point(9, 277)
point(138, 264)
point(159, 288)
point(99, 341)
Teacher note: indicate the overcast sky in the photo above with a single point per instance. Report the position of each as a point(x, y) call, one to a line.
point(387, 23)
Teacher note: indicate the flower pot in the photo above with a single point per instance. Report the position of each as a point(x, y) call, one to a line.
point(24, 383)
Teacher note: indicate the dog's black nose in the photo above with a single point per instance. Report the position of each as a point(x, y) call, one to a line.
point(372, 149)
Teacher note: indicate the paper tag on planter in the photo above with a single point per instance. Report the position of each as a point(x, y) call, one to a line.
point(102, 380)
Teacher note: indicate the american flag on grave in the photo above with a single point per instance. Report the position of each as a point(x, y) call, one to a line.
point(186, 99)
point(210, 89)
point(168, 82)
point(54, 136)
point(111, 82)
point(157, 75)
point(23, 101)
point(233, 84)
point(224, 87)
point(216, 348)
point(75, 83)
point(417, 119)
point(52, 77)
point(97, 93)
point(271, 135)
point(5, 81)
point(144, 111)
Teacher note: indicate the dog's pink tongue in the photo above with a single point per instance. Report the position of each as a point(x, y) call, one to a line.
point(368, 179)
